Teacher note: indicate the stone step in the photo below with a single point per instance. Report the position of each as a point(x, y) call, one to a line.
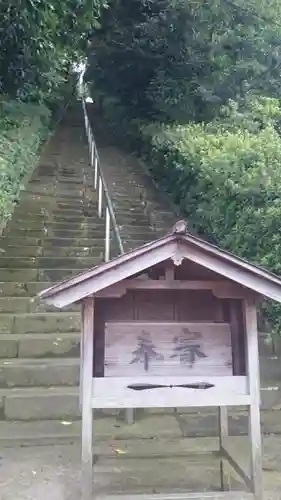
point(47, 200)
point(48, 262)
point(57, 218)
point(62, 403)
point(73, 197)
point(28, 304)
point(22, 289)
point(40, 403)
point(69, 191)
point(50, 322)
point(40, 251)
point(40, 432)
point(53, 232)
point(83, 224)
point(124, 203)
point(55, 275)
point(58, 224)
point(30, 275)
point(40, 345)
point(48, 372)
point(18, 275)
point(130, 244)
point(138, 234)
point(66, 207)
point(42, 183)
point(136, 240)
point(51, 243)
point(72, 212)
point(24, 251)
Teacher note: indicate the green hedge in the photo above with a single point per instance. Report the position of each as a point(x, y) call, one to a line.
point(227, 184)
point(224, 177)
point(23, 127)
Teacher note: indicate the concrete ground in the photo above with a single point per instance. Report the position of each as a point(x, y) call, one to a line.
point(147, 462)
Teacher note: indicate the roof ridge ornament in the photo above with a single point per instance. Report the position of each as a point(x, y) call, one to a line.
point(180, 227)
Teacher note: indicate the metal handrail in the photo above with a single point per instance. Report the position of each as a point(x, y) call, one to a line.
point(103, 193)
point(104, 201)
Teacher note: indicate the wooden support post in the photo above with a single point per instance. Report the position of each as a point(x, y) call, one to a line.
point(254, 408)
point(87, 412)
point(81, 359)
point(223, 435)
point(130, 416)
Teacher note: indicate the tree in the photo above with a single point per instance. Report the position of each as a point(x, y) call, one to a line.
point(180, 60)
point(39, 39)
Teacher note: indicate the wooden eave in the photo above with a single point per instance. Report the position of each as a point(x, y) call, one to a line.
point(176, 247)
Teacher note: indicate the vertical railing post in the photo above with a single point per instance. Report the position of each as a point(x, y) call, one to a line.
point(90, 145)
point(100, 198)
point(96, 171)
point(107, 235)
point(109, 215)
point(92, 151)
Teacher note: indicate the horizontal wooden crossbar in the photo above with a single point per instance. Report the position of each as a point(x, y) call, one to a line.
point(226, 495)
point(113, 392)
point(220, 288)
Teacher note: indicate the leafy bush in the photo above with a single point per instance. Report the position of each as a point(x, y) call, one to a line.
point(224, 176)
point(181, 60)
point(22, 129)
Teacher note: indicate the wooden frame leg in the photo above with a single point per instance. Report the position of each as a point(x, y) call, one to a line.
point(130, 416)
point(256, 451)
point(87, 453)
point(223, 435)
point(81, 390)
point(82, 340)
point(254, 386)
point(86, 386)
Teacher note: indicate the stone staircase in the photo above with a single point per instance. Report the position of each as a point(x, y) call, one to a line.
point(54, 233)
point(142, 212)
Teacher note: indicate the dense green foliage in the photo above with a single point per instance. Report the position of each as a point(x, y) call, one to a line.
point(196, 88)
point(181, 60)
point(22, 128)
point(227, 181)
point(39, 40)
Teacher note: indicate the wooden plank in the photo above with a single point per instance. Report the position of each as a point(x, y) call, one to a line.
point(230, 290)
point(221, 288)
point(150, 306)
point(111, 392)
point(117, 290)
point(235, 334)
point(170, 272)
point(223, 435)
point(165, 348)
point(87, 413)
point(196, 306)
point(81, 358)
point(212, 495)
point(254, 386)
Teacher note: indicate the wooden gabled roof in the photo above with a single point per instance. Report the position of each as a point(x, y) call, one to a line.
point(176, 246)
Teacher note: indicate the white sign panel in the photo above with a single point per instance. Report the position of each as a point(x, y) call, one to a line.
point(160, 349)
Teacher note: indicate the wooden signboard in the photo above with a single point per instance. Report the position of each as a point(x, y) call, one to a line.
point(134, 349)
